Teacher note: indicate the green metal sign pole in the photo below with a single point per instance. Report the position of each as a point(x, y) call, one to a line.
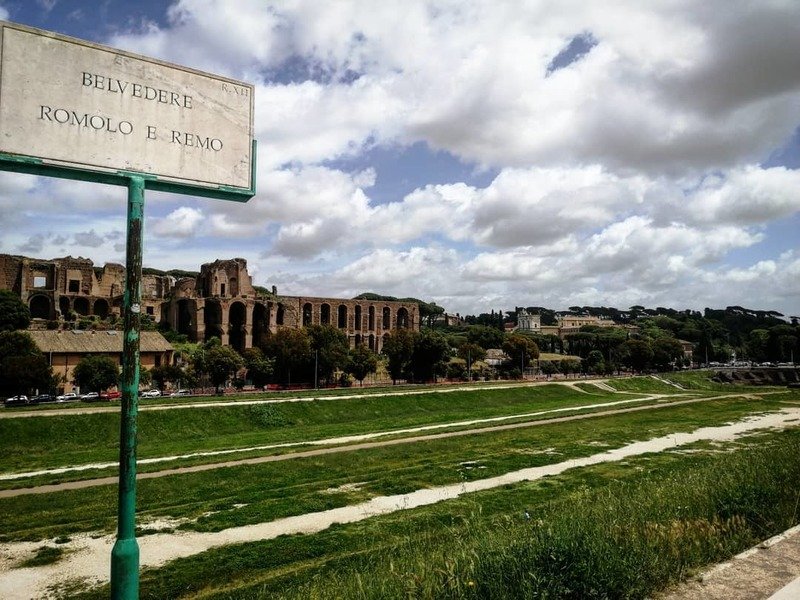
point(125, 555)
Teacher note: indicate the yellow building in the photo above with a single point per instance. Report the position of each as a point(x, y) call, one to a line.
point(64, 349)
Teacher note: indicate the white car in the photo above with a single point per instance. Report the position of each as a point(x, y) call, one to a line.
point(67, 397)
point(181, 393)
point(150, 394)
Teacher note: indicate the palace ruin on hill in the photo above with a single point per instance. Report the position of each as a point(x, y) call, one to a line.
point(219, 302)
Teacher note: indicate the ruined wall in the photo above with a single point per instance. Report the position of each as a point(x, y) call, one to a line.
point(220, 302)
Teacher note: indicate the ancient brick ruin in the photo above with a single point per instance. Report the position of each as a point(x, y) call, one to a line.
point(220, 302)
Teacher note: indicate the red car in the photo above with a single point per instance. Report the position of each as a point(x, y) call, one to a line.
point(110, 395)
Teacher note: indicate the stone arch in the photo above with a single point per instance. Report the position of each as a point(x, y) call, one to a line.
point(212, 317)
point(358, 339)
point(185, 313)
point(100, 308)
point(341, 321)
point(402, 318)
point(372, 342)
point(386, 321)
point(81, 306)
point(40, 307)
point(307, 314)
point(260, 323)
point(64, 307)
point(233, 286)
point(237, 319)
point(325, 314)
point(371, 318)
point(357, 318)
point(280, 315)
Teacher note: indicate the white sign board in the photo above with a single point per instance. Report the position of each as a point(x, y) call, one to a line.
point(73, 103)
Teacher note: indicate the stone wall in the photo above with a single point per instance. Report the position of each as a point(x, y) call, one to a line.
point(220, 302)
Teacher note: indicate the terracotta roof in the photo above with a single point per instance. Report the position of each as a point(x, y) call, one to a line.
point(95, 341)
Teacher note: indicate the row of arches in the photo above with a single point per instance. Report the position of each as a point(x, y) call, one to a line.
point(41, 306)
point(357, 324)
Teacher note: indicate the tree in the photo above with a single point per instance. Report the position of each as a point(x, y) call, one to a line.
point(259, 367)
point(398, 346)
point(666, 352)
point(13, 312)
point(521, 350)
point(222, 363)
point(96, 373)
point(363, 361)
point(329, 348)
point(636, 354)
point(485, 337)
point(23, 367)
point(595, 363)
point(164, 373)
point(430, 355)
point(548, 367)
point(291, 349)
point(471, 353)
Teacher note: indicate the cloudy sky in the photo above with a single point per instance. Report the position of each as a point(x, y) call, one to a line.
point(484, 155)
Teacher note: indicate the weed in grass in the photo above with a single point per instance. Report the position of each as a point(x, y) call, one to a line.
point(62, 539)
point(44, 555)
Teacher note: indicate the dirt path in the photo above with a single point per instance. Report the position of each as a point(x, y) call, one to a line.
point(88, 559)
point(85, 483)
point(338, 440)
point(772, 567)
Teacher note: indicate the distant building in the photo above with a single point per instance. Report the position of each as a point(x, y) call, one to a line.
point(64, 349)
point(219, 302)
point(528, 322)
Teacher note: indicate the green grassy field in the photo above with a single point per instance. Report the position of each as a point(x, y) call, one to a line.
point(620, 529)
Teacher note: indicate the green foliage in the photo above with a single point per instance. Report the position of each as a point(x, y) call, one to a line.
point(521, 350)
point(398, 346)
point(329, 347)
point(430, 355)
point(23, 367)
point(485, 337)
point(96, 373)
point(13, 312)
point(471, 351)
point(221, 364)
point(636, 354)
point(267, 415)
point(291, 350)
point(44, 555)
point(259, 368)
point(166, 373)
point(362, 362)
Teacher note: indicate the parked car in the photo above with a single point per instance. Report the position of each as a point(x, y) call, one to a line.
point(43, 398)
point(110, 395)
point(90, 397)
point(16, 401)
point(151, 394)
point(178, 393)
point(70, 397)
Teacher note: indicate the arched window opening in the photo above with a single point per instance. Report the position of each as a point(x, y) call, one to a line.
point(387, 317)
point(402, 318)
point(101, 308)
point(341, 321)
point(237, 321)
point(81, 306)
point(325, 314)
point(279, 315)
point(40, 307)
point(357, 324)
point(371, 318)
point(307, 314)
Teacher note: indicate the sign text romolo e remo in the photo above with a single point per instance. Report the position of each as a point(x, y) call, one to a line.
point(72, 103)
